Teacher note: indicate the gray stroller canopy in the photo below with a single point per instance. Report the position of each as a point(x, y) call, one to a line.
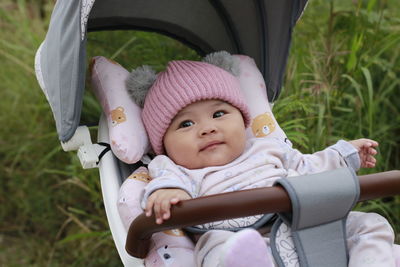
point(260, 29)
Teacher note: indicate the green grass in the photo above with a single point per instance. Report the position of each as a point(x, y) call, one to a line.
point(342, 81)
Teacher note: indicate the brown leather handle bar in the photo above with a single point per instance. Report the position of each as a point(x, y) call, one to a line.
point(241, 204)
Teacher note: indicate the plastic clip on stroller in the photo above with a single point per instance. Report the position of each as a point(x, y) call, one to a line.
point(89, 154)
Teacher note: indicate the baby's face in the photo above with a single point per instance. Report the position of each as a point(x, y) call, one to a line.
point(205, 133)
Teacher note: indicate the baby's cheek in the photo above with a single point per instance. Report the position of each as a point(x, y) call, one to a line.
point(239, 146)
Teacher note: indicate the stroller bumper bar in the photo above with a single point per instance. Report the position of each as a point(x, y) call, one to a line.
point(241, 204)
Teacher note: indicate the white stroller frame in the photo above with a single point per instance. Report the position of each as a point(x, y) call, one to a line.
point(110, 178)
point(111, 171)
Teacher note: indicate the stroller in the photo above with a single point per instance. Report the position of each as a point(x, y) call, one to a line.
point(264, 35)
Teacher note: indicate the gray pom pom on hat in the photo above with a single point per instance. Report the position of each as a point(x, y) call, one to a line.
point(139, 82)
point(225, 61)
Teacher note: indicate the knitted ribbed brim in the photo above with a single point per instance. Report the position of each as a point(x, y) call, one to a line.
point(182, 83)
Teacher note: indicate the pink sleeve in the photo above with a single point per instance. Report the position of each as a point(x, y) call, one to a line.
point(342, 154)
point(165, 174)
point(130, 195)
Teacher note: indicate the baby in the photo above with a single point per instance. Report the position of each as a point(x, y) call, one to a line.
point(196, 119)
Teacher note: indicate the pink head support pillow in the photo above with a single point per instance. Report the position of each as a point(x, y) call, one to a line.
point(263, 123)
point(128, 138)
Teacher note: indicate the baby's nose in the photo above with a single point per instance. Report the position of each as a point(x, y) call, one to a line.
point(208, 129)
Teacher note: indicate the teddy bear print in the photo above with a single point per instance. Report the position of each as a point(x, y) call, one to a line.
point(262, 125)
point(141, 176)
point(117, 116)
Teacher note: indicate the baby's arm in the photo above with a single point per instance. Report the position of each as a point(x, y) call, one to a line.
point(354, 154)
point(168, 186)
point(161, 201)
point(366, 151)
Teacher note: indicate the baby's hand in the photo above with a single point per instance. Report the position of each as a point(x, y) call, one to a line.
point(366, 151)
point(161, 201)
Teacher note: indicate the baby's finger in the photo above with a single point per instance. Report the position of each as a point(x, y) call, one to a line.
point(372, 151)
point(364, 160)
point(370, 161)
point(165, 209)
point(149, 206)
point(174, 200)
point(158, 211)
point(369, 165)
point(372, 143)
point(363, 156)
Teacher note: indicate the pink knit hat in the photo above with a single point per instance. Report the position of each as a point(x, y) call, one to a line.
point(182, 83)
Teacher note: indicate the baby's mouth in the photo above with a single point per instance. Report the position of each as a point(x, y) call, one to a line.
point(211, 145)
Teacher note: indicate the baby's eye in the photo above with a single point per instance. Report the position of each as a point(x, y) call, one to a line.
point(218, 114)
point(185, 124)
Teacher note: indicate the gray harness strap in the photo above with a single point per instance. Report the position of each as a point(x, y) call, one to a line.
point(320, 205)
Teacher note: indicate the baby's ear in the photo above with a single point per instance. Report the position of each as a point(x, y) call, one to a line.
point(225, 61)
point(139, 82)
